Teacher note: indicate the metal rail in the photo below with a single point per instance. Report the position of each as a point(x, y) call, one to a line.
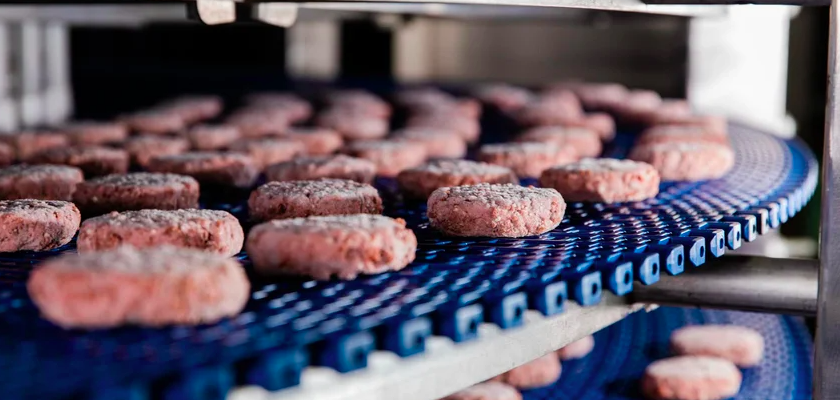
point(784, 286)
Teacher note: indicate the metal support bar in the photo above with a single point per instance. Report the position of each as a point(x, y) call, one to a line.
point(786, 286)
point(827, 359)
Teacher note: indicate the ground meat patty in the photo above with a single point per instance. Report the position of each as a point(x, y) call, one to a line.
point(679, 134)
point(353, 125)
point(293, 199)
point(193, 108)
point(495, 210)
point(268, 151)
point(92, 160)
point(527, 160)
point(227, 169)
point(316, 141)
point(254, 123)
point(360, 101)
point(601, 96)
point(7, 154)
point(419, 182)
point(297, 109)
point(577, 349)
point(638, 105)
point(113, 288)
point(438, 143)
point(686, 161)
point(136, 191)
point(586, 142)
point(691, 378)
point(606, 180)
point(208, 230)
point(93, 133)
point(560, 110)
point(468, 128)
point(142, 149)
point(311, 168)
point(390, 157)
point(212, 137)
point(42, 182)
point(37, 225)
point(535, 374)
point(486, 391)
point(741, 345)
point(713, 124)
point(27, 144)
point(337, 245)
point(505, 97)
point(155, 122)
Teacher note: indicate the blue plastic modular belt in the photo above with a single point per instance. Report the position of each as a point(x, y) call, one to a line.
point(613, 370)
point(453, 285)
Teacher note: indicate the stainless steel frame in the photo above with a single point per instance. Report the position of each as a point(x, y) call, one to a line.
point(827, 357)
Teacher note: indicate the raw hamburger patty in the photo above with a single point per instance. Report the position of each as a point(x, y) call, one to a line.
point(686, 161)
point(691, 378)
point(316, 141)
point(603, 179)
point(113, 288)
point(337, 245)
point(267, 151)
point(438, 143)
point(142, 149)
point(155, 122)
point(577, 349)
point(680, 134)
point(228, 169)
point(92, 160)
point(495, 210)
point(741, 345)
point(390, 157)
point(527, 160)
point(419, 182)
point(293, 199)
point(505, 97)
point(193, 108)
point(538, 373)
point(43, 182)
point(715, 125)
point(136, 191)
point(27, 144)
point(486, 391)
point(311, 168)
point(207, 230)
point(254, 123)
point(37, 225)
point(468, 128)
point(92, 133)
point(7, 154)
point(585, 142)
point(353, 125)
point(212, 137)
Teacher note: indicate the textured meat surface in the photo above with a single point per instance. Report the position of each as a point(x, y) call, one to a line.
point(212, 137)
point(419, 182)
point(691, 378)
point(527, 160)
point(534, 374)
point(91, 132)
point(390, 157)
point(92, 160)
point(115, 287)
point(142, 149)
point(137, 191)
point(605, 180)
point(338, 245)
point(686, 161)
point(41, 182)
point(27, 144)
point(495, 210)
point(292, 199)
point(741, 345)
point(37, 225)
point(439, 143)
point(316, 141)
point(267, 151)
point(209, 230)
point(586, 142)
point(317, 167)
point(227, 169)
